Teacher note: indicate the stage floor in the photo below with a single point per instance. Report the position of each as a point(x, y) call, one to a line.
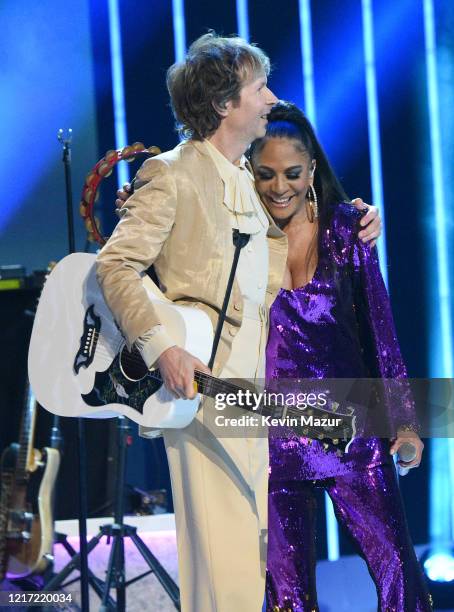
point(343, 585)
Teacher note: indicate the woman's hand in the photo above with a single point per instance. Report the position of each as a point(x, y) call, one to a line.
point(408, 437)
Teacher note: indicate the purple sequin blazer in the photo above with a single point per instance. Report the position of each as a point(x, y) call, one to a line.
point(340, 324)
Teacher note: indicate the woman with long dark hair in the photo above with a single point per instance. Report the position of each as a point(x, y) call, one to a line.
point(331, 319)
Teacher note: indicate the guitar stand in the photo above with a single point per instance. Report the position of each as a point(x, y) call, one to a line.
point(96, 583)
point(117, 531)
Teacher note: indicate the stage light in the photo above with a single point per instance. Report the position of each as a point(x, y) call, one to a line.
point(305, 18)
point(332, 530)
point(439, 567)
point(179, 29)
point(116, 60)
point(438, 562)
point(441, 349)
point(306, 59)
point(348, 67)
point(374, 128)
point(443, 316)
point(242, 18)
point(439, 570)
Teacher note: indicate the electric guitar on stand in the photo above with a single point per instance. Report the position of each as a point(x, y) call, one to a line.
point(26, 520)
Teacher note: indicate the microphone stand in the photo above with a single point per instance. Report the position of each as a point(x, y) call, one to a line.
point(56, 436)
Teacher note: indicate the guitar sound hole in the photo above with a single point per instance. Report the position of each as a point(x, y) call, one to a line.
point(132, 365)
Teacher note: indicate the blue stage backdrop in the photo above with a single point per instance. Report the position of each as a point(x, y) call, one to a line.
point(57, 66)
point(46, 83)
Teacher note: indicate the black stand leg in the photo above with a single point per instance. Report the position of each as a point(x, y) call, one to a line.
point(110, 577)
point(166, 581)
point(74, 564)
point(120, 575)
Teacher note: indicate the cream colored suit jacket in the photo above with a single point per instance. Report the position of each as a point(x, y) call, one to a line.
point(176, 220)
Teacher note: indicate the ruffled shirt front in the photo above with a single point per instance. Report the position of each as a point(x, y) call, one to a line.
point(240, 196)
point(247, 357)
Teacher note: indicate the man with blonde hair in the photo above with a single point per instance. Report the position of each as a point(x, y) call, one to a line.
point(186, 204)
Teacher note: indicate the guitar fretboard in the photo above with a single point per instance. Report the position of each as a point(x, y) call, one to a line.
point(26, 436)
point(211, 386)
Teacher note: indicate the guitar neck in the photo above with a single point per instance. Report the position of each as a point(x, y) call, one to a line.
point(249, 399)
point(318, 422)
point(313, 421)
point(26, 436)
point(213, 387)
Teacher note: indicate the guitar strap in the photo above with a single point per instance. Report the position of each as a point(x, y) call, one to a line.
point(240, 240)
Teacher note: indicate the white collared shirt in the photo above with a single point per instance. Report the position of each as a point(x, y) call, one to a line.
point(247, 358)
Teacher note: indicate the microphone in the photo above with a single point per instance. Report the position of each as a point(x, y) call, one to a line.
point(406, 453)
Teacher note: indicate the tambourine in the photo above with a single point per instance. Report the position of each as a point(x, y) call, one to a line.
point(102, 170)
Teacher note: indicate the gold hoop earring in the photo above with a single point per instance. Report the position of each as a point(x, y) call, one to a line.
point(311, 196)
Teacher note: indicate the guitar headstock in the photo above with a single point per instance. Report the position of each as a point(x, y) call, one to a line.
point(334, 425)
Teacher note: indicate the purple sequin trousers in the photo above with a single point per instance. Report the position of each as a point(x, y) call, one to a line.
point(339, 325)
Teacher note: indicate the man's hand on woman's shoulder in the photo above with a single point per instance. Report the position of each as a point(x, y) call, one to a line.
point(122, 195)
point(371, 222)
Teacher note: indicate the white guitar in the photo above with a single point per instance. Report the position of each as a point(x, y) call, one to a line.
point(79, 364)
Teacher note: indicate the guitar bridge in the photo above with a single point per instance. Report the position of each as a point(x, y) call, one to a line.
point(88, 340)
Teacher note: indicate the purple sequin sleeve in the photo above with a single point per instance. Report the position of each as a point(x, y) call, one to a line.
point(372, 296)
